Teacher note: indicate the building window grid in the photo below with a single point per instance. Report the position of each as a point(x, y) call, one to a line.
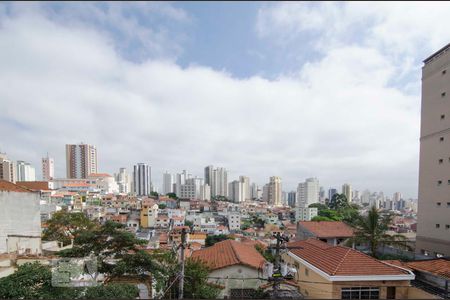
point(360, 293)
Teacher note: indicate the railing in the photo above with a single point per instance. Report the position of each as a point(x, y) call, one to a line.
point(431, 289)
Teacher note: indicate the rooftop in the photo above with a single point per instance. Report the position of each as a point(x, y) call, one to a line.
point(11, 187)
point(34, 185)
point(437, 54)
point(228, 253)
point(342, 261)
point(328, 229)
point(439, 267)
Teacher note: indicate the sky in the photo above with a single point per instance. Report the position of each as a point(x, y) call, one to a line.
point(297, 90)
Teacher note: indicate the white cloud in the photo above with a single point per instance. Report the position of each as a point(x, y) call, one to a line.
point(336, 119)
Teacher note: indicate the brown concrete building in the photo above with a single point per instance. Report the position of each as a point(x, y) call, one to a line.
point(433, 228)
point(81, 160)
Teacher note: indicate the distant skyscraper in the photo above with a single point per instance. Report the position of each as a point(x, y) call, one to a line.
point(48, 168)
point(167, 183)
point(331, 193)
point(142, 177)
point(7, 168)
point(246, 186)
point(275, 192)
point(347, 191)
point(180, 179)
point(291, 198)
point(81, 160)
point(25, 171)
point(307, 192)
point(123, 180)
point(236, 191)
point(217, 179)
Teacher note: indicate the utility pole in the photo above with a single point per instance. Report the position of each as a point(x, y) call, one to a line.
point(182, 246)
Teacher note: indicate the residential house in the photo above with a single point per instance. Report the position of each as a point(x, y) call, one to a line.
point(237, 267)
point(323, 271)
point(331, 232)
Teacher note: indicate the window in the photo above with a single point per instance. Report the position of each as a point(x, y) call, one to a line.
point(438, 204)
point(448, 204)
point(360, 293)
point(447, 226)
point(441, 139)
point(442, 117)
point(443, 94)
point(441, 161)
point(438, 225)
point(444, 72)
point(448, 181)
point(439, 182)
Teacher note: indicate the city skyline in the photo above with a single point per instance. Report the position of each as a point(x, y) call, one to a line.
point(259, 109)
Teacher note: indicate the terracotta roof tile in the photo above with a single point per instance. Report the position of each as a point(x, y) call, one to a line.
point(34, 185)
point(341, 261)
point(326, 229)
point(440, 266)
point(229, 253)
point(11, 187)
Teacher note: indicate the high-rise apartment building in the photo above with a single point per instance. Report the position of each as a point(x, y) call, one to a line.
point(142, 179)
point(331, 193)
point(274, 191)
point(347, 191)
point(48, 168)
point(308, 192)
point(236, 191)
point(7, 168)
point(123, 180)
point(81, 160)
point(167, 183)
point(217, 179)
point(433, 227)
point(291, 198)
point(246, 187)
point(25, 171)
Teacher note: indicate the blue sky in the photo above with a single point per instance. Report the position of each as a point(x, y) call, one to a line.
point(328, 89)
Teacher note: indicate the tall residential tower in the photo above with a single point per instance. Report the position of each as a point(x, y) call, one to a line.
point(433, 227)
point(81, 160)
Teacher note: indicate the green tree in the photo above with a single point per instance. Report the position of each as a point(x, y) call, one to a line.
point(371, 230)
point(63, 226)
point(112, 291)
point(162, 206)
point(172, 196)
point(331, 214)
point(338, 201)
point(319, 206)
point(321, 218)
point(111, 242)
point(267, 254)
point(188, 223)
point(34, 281)
point(197, 285)
point(154, 194)
point(212, 239)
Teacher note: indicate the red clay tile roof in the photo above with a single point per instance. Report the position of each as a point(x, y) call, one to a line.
point(440, 266)
point(34, 185)
point(327, 229)
point(397, 262)
point(11, 187)
point(228, 253)
point(341, 261)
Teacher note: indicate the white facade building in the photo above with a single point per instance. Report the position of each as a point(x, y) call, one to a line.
point(142, 177)
point(25, 171)
point(236, 191)
point(246, 187)
point(48, 168)
point(167, 183)
point(123, 180)
point(305, 214)
point(20, 221)
point(308, 192)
